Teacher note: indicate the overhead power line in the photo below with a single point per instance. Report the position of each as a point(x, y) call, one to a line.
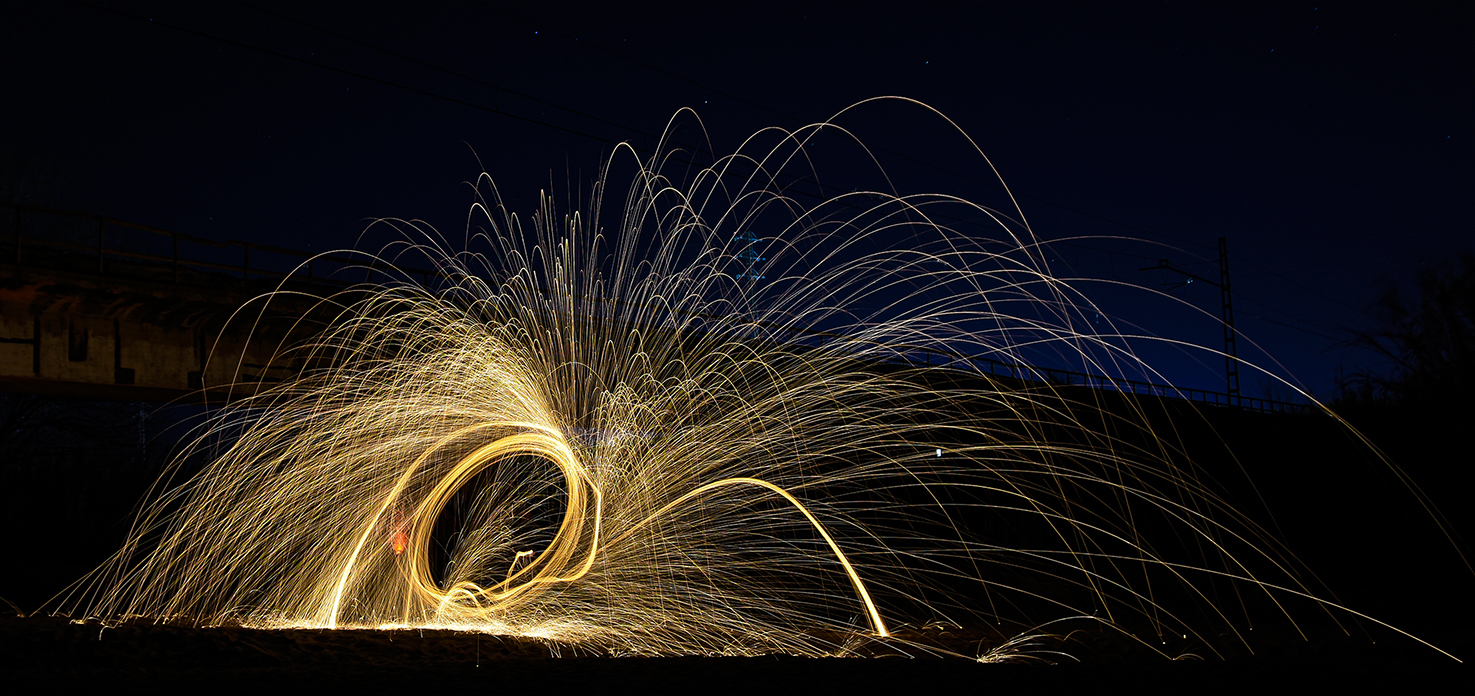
point(637, 131)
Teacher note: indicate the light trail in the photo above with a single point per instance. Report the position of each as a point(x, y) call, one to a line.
point(625, 439)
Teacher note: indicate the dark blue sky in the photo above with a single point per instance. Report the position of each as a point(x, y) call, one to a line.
point(1331, 143)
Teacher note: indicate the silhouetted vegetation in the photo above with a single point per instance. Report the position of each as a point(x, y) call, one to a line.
point(1428, 339)
point(1417, 408)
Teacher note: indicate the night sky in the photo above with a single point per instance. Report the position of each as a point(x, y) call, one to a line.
point(1332, 144)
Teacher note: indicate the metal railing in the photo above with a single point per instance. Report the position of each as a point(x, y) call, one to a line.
point(56, 241)
point(1056, 377)
point(66, 252)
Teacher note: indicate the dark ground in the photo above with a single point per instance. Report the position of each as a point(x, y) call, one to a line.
point(52, 654)
point(1342, 511)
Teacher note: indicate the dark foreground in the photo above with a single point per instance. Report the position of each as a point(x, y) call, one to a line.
point(46, 654)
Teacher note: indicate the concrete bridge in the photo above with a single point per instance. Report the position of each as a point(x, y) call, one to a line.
point(100, 308)
point(95, 307)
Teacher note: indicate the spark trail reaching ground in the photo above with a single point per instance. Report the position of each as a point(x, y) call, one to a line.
point(702, 430)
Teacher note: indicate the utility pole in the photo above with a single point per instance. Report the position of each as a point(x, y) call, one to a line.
point(747, 242)
point(1226, 300)
point(1231, 354)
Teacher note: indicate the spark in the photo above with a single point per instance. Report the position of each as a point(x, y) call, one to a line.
point(636, 440)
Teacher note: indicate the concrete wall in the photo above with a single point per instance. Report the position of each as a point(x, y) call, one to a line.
point(86, 335)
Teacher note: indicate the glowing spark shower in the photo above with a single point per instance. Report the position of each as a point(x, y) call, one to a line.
point(700, 424)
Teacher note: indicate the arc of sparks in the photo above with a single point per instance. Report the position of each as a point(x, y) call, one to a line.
point(714, 367)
